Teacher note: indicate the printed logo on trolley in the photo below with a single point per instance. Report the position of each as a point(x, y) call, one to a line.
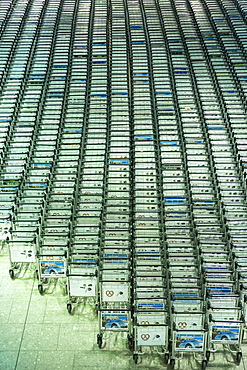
point(145, 336)
point(109, 293)
point(182, 325)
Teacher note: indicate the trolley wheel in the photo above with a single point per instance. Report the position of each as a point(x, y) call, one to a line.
point(69, 308)
point(172, 363)
point(167, 358)
point(135, 358)
point(12, 274)
point(207, 355)
point(41, 289)
point(238, 358)
point(204, 364)
point(99, 340)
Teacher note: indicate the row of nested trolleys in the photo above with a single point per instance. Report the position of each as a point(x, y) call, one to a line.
point(123, 164)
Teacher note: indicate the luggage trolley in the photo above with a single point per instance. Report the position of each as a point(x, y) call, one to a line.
point(114, 298)
point(189, 329)
point(25, 223)
point(151, 325)
point(82, 277)
point(244, 298)
point(240, 257)
point(7, 200)
point(189, 341)
point(52, 264)
point(226, 332)
point(6, 209)
point(83, 255)
point(225, 315)
point(150, 310)
point(150, 317)
point(52, 250)
point(22, 251)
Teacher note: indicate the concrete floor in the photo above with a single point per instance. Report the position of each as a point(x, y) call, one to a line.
point(37, 333)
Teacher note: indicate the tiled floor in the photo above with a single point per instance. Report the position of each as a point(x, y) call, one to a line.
point(36, 332)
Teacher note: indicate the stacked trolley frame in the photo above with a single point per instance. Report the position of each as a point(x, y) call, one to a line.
point(87, 201)
point(24, 176)
point(115, 263)
point(225, 314)
point(150, 305)
point(55, 224)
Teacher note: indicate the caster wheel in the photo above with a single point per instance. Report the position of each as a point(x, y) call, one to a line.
point(41, 289)
point(208, 355)
point(99, 340)
point(135, 358)
point(12, 274)
point(238, 358)
point(167, 358)
point(172, 363)
point(204, 364)
point(69, 308)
